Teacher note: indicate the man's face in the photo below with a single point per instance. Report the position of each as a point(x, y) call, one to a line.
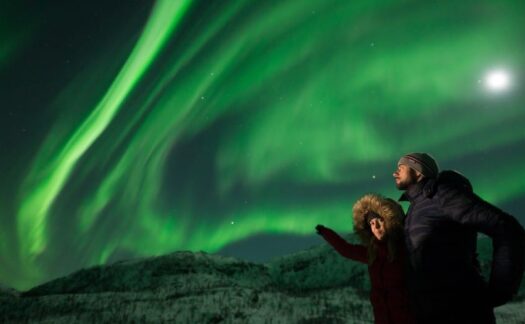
point(405, 177)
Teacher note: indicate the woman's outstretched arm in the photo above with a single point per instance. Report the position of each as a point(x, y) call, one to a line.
point(350, 251)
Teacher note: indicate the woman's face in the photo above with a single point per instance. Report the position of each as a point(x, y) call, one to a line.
point(377, 225)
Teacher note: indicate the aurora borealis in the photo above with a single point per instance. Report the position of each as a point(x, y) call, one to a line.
point(136, 129)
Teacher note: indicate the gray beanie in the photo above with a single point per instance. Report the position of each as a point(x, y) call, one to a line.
point(421, 162)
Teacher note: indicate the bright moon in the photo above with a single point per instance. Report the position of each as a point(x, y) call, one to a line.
point(497, 80)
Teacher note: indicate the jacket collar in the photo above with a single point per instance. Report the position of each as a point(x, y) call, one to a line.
point(414, 192)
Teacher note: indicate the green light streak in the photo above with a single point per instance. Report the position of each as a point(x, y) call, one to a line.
point(33, 212)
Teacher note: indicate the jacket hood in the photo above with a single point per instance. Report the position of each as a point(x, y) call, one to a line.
point(448, 178)
point(429, 186)
point(388, 209)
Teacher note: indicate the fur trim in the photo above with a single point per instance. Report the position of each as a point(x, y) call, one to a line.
point(388, 209)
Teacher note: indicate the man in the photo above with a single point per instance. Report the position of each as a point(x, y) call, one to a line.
point(441, 229)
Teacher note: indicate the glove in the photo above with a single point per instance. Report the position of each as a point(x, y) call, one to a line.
point(320, 229)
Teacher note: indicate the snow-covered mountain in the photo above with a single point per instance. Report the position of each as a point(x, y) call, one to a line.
point(311, 286)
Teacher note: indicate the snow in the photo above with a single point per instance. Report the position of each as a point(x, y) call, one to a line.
point(311, 286)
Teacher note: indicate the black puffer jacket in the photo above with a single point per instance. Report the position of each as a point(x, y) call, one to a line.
point(441, 229)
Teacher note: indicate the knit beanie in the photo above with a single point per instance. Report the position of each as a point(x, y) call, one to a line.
point(421, 162)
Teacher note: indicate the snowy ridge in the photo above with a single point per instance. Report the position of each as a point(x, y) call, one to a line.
point(7, 292)
point(311, 286)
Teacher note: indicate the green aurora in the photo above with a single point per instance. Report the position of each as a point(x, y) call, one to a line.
point(202, 123)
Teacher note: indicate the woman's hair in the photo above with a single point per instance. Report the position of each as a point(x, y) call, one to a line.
point(391, 213)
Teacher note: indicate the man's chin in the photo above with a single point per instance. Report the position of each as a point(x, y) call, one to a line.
point(401, 186)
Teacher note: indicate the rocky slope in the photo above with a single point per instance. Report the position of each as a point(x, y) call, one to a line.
point(312, 286)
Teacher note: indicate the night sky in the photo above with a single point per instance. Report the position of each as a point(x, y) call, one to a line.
point(138, 128)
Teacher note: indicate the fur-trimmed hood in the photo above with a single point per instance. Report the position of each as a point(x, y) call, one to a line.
point(388, 209)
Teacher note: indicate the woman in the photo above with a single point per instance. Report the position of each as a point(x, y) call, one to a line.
point(379, 223)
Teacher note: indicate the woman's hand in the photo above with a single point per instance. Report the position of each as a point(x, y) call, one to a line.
point(320, 229)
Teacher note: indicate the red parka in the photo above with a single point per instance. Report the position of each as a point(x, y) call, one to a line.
point(389, 296)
